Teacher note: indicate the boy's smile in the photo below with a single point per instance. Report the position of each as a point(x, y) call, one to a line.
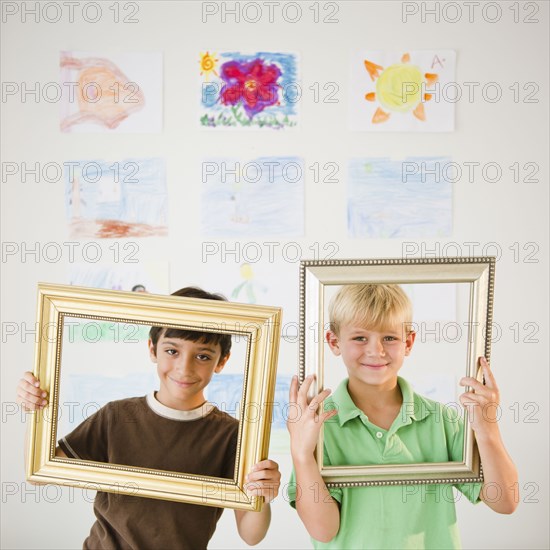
point(372, 357)
point(182, 383)
point(185, 368)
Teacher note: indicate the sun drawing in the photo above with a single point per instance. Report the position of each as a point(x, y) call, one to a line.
point(208, 64)
point(399, 89)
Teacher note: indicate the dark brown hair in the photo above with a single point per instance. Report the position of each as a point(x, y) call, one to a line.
point(223, 340)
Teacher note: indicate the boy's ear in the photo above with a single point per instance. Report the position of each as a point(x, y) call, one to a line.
point(152, 353)
point(409, 342)
point(221, 363)
point(332, 341)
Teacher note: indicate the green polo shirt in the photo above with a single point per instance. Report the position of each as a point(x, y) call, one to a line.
point(399, 516)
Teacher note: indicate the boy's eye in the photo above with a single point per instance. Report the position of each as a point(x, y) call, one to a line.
point(203, 357)
point(171, 351)
point(390, 338)
point(360, 339)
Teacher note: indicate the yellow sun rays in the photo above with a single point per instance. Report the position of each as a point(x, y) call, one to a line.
point(208, 64)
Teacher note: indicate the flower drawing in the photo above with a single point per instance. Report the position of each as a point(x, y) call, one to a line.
point(253, 84)
point(249, 90)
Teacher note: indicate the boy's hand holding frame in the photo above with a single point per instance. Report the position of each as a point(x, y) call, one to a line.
point(304, 422)
point(317, 509)
point(500, 473)
point(482, 403)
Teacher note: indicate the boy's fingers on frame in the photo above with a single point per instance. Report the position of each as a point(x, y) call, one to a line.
point(269, 476)
point(294, 389)
point(318, 399)
point(25, 405)
point(27, 398)
point(487, 372)
point(473, 383)
point(31, 388)
point(29, 407)
point(29, 377)
point(484, 363)
point(37, 391)
point(303, 391)
point(266, 464)
point(308, 380)
point(321, 396)
point(475, 401)
point(488, 397)
point(262, 484)
point(253, 487)
point(473, 397)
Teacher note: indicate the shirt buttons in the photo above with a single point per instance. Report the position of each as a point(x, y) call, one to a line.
point(379, 435)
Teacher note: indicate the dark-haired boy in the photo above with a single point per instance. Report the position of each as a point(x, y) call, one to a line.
point(173, 429)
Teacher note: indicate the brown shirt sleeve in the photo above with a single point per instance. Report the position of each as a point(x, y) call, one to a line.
point(89, 440)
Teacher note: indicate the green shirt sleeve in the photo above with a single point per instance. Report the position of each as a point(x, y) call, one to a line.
point(470, 490)
point(335, 492)
point(294, 492)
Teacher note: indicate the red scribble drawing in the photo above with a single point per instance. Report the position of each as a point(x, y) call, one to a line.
point(103, 94)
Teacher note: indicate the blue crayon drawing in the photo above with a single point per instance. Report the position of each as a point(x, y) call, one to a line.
point(262, 197)
point(411, 198)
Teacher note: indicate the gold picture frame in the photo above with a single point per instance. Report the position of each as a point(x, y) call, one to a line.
point(316, 278)
point(260, 325)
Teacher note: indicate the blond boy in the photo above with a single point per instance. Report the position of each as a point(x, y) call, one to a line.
point(378, 419)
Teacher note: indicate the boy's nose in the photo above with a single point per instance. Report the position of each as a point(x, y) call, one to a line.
point(375, 347)
point(184, 364)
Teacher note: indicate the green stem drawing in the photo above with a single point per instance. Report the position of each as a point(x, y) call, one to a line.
point(234, 110)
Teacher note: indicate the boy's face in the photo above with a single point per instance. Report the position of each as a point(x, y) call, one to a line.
point(372, 357)
point(185, 369)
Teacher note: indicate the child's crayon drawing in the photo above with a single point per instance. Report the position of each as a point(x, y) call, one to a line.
point(106, 199)
point(248, 91)
point(114, 93)
point(399, 199)
point(263, 196)
point(403, 92)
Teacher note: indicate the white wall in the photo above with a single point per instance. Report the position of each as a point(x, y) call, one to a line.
point(504, 213)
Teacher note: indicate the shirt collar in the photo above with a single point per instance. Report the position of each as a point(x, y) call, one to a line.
point(412, 408)
point(174, 414)
point(344, 403)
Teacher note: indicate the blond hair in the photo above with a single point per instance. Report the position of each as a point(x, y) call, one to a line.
point(376, 306)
